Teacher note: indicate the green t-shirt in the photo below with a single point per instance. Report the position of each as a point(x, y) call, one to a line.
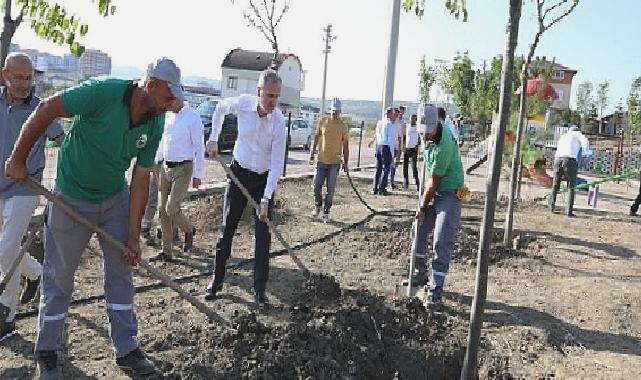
point(102, 142)
point(444, 160)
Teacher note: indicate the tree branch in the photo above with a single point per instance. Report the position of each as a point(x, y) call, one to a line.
point(552, 8)
point(562, 16)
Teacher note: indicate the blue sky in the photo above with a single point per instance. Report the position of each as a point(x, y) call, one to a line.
point(600, 39)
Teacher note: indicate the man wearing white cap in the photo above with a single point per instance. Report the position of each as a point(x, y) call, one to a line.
point(331, 137)
point(570, 148)
point(440, 210)
point(114, 121)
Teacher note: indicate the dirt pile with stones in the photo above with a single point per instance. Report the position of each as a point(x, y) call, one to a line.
point(332, 333)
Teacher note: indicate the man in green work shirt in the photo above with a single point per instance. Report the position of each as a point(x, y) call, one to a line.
point(114, 121)
point(440, 209)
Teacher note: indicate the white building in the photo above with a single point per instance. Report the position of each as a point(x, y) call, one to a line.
point(241, 69)
point(94, 63)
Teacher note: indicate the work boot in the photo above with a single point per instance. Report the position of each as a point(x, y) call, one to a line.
point(212, 290)
point(29, 291)
point(48, 368)
point(261, 299)
point(4, 313)
point(162, 256)
point(189, 240)
point(8, 330)
point(136, 363)
point(420, 277)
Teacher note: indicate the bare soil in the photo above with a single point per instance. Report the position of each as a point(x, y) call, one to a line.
point(565, 304)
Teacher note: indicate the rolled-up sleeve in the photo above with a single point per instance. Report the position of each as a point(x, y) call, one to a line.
point(224, 107)
point(277, 157)
point(196, 132)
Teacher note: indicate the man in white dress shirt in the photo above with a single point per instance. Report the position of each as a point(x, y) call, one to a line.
point(258, 159)
point(182, 153)
point(572, 145)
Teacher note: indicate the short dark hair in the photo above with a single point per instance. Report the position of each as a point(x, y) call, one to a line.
point(402, 108)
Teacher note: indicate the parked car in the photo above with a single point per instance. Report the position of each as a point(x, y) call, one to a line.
point(300, 134)
point(227, 137)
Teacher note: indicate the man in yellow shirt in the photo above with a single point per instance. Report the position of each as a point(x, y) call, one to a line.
point(331, 135)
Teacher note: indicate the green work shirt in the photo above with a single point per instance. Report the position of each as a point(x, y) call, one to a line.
point(443, 159)
point(101, 142)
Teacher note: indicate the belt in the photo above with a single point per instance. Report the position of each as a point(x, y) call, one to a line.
point(173, 164)
point(235, 165)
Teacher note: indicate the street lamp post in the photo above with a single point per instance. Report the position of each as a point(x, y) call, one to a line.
point(328, 48)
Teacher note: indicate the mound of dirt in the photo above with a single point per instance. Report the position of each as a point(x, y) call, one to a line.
point(358, 336)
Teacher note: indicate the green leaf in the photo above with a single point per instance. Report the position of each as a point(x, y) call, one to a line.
point(76, 49)
point(84, 28)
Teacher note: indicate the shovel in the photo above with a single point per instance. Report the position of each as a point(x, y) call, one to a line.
point(269, 223)
point(16, 262)
point(56, 201)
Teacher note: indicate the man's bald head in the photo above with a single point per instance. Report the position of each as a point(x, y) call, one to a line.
point(18, 75)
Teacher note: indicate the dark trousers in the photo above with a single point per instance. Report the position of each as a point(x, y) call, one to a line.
point(233, 208)
point(411, 154)
point(564, 167)
point(635, 206)
point(383, 162)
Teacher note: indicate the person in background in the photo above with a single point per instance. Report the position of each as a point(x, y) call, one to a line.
point(399, 146)
point(385, 141)
point(18, 202)
point(182, 153)
point(411, 152)
point(332, 138)
point(571, 147)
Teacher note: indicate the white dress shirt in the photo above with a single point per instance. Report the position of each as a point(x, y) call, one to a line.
point(399, 129)
point(182, 139)
point(570, 143)
point(260, 145)
point(411, 136)
point(386, 133)
point(453, 128)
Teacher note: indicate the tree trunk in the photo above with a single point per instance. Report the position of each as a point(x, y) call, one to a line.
point(470, 365)
point(8, 29)
point(509, 215)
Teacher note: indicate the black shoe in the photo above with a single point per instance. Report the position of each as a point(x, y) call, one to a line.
point(189, 240)
point(261, 299)
point(633, 212)
point(393, 186)
point(8, 330)
point(48, 368)
point(4, 313)
point(374, 192)
point(162, 256)
point(29, 291)
point(212, 290)
point(136, 363)
point(383, 192)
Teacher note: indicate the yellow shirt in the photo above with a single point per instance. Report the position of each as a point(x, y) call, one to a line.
point(331, 134)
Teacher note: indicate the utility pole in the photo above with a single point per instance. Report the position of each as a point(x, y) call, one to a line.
point(328, 48)
point(390, 69)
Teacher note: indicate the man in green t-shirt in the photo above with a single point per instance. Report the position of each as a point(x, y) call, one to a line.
point(440, 209)
point(114, 121)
